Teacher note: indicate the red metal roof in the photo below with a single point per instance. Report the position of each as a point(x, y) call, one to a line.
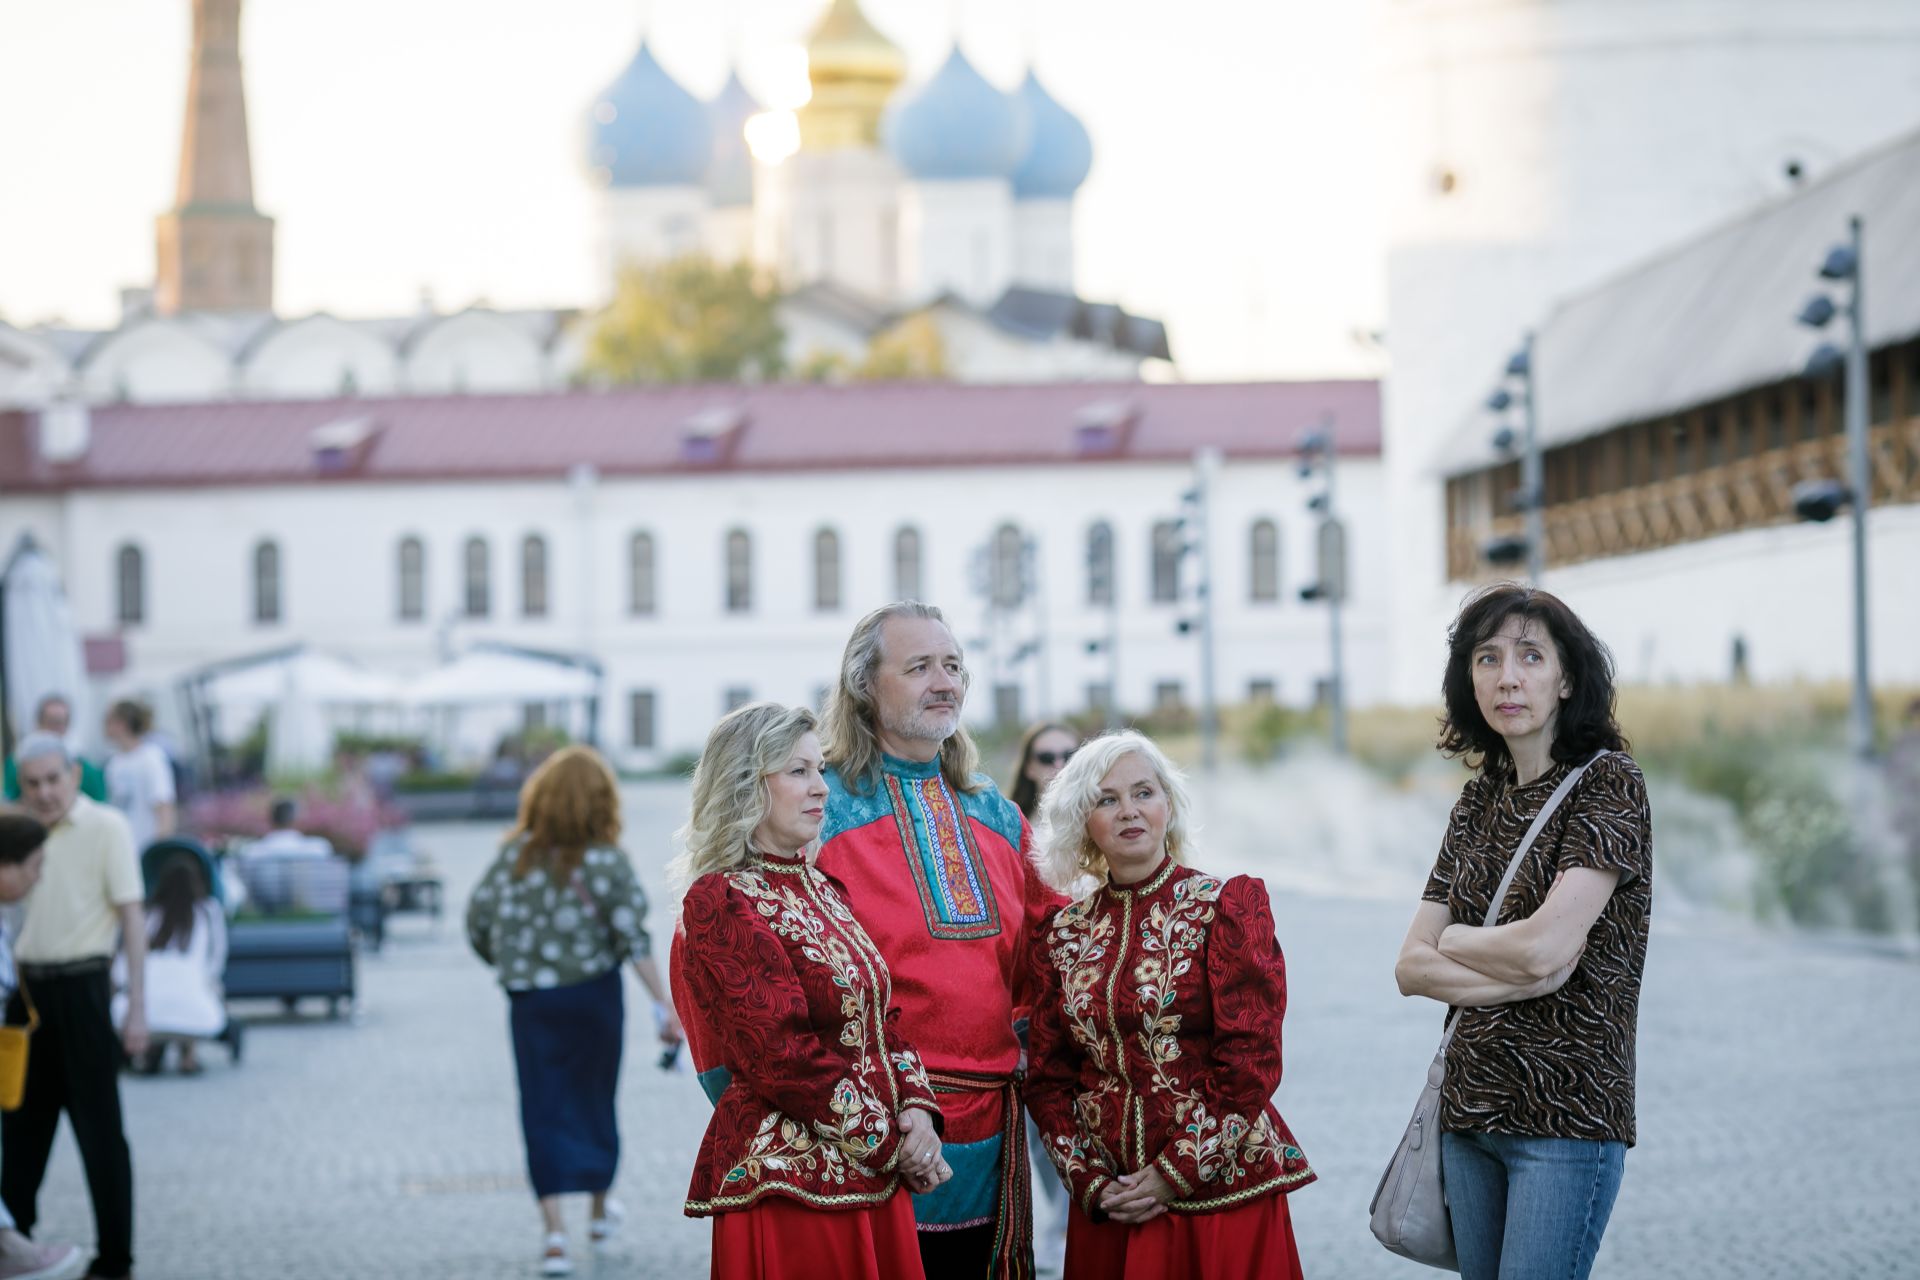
point(639, 431)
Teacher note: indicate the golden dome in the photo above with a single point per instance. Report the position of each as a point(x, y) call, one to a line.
point(854, 70)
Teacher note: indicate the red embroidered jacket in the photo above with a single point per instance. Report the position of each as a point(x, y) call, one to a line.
point(792, 997)
point(1156, 1040)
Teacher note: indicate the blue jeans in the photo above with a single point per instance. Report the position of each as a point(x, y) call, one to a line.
point(1528, 1208)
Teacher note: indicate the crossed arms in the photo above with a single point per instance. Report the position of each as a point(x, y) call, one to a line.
point(1472, 965)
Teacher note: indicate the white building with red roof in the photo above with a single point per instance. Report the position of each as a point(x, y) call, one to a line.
point(708, 544)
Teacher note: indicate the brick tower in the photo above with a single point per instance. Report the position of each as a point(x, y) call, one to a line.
point(214, 249)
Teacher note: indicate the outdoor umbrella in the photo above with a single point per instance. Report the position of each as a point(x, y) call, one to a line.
point(42, 653)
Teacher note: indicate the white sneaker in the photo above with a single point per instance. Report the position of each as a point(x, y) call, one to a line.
point(555, 1262)
point(44, 1262)
point(600, 1230)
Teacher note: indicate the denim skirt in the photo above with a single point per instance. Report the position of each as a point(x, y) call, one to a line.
point(566, 1045)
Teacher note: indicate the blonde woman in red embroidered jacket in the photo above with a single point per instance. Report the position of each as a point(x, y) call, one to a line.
point(822, 1110)
point(1156, 1037)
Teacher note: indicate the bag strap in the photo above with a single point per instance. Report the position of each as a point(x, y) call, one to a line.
point(33, 1014)
point(1519, 855)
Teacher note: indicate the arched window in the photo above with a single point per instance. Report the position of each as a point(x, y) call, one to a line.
point(1168, 546)
point(479, 585)
point(266, 581)
point(906, 563)
point(1007, 578)
point(739, 571)
point(1100, 564)
point(640, 582)
point(130, 581)
point(533, 576)
point(826, 570)
point(1263, 561)
point(412, 580)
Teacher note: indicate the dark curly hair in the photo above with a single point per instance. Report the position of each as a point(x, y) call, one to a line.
point(1585, 723)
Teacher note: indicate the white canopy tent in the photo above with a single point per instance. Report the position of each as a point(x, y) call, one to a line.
point(484, 693)
point(495, 676)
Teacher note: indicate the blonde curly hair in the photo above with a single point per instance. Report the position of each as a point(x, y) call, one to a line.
point(730, 787)
point(1064, 852)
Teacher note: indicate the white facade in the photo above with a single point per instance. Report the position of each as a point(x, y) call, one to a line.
point(1785, 594)
point(338, 546)
point(1043, 244)
point(647, 225)
point(831, 215)
point(956, 237)
point(1537, 146)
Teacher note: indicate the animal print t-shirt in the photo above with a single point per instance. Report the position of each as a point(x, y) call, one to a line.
point(1560, 1066)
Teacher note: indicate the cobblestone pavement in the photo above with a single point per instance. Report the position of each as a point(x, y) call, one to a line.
point(1777, 1112)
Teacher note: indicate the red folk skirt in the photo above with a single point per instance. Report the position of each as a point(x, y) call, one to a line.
point(1252, 1242)
point(782, 1239)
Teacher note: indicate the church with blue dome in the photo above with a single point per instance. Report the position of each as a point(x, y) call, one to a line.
point(887, 197)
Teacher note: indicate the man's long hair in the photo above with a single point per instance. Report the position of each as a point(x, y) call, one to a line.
point(848, 735)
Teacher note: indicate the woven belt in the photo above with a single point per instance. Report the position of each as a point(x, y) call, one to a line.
point(1013, 1226)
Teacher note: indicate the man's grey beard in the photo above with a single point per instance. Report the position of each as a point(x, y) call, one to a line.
point(920, 726)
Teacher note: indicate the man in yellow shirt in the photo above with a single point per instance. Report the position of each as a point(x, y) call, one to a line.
point(89, 891)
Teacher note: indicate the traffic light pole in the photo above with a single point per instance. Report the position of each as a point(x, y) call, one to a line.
point(1862, 484)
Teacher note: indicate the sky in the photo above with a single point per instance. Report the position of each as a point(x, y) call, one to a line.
point(412, 148)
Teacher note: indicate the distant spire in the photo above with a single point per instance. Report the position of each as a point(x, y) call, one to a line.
point(214, 250)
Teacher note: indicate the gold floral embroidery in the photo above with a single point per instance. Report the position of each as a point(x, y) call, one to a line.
point(864, 1121)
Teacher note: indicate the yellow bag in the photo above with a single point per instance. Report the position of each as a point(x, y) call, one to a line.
point(13, 1056)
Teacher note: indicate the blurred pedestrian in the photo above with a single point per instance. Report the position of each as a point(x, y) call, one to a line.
point(89, 890)
point(139, 774)
point(54, 715)
point(284, 838)
point(186, 963)
point(556, 915)
point(1537, 1109)
point(1156, 1036)
point(826, 1106)
point(22, 856)
point(1044, 751)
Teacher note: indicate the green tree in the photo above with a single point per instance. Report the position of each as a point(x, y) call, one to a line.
point(910, 350)
point(688, 320)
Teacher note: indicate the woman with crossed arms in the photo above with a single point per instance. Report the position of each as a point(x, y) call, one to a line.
point(1538, 1106)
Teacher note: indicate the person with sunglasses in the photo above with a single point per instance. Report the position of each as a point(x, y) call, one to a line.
point(1044, 751)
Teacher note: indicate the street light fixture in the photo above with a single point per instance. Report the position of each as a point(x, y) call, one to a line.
point(1531, 496)
point(1316, 449)
point(1195, 518)
point(1821, 500)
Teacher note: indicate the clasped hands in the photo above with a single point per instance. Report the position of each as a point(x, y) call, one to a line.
point(1134, 1198)
point(920, 1162)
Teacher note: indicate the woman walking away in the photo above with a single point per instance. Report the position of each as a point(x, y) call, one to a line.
point(1156, 1036)
point(824, 1116)
point(556, 915)
point(1538, 1106)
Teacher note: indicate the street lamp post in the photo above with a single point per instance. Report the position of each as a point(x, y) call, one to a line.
point(1317, 458)
point(1198, 518)
point(1821, 499)
point(1532, 495)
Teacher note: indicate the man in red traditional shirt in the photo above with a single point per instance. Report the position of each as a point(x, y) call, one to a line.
point(936, 867)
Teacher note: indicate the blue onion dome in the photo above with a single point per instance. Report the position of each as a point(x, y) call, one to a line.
point(730, 174)
point(647, 131)
point(957, 126)
point(1060, 152)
